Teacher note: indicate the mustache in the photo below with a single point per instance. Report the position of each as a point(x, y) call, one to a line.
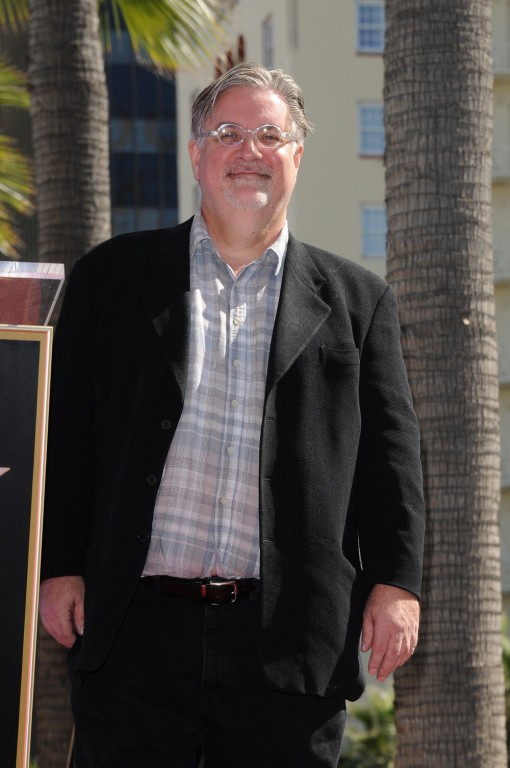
point(240, 166)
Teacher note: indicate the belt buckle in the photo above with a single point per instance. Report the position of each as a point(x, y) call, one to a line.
point(214, 581)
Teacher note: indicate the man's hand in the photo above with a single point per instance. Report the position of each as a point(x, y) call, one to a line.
point(390, 629)
point(61, 607)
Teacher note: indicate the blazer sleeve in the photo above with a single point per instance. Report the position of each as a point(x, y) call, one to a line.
point(70, 465)
point(388, 483)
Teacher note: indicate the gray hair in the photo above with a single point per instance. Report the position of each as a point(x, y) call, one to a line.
point(254, 76)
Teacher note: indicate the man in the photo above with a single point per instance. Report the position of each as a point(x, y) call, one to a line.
point(234, 484)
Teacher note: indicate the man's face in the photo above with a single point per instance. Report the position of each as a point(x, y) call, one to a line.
point(246, 177)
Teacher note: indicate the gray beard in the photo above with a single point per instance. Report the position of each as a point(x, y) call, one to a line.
point(258, 200)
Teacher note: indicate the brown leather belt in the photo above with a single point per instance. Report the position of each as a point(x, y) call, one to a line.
point(213, 590)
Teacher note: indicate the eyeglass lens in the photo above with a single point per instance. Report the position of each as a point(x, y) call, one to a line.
point(266, 135)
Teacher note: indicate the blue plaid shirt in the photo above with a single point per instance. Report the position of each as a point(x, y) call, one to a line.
point(206, 518)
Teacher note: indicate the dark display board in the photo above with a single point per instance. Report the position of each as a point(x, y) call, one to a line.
point(24, 393)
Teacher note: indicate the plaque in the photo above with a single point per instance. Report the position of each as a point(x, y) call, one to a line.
point(25, 355)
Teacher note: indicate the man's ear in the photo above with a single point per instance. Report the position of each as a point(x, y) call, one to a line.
point(298, 154)
point(194, 153)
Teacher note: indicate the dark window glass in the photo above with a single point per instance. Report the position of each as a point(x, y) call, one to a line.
point(147, 137)
point(167, 137)
point(142, 144)
point(121, 96)
point(170, 171)
point(148, 180)
point(122, 180)
point(170, 218)
point(145, 94)
point(167, 98)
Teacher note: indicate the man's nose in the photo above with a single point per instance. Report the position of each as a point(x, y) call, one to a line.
point(250, 145)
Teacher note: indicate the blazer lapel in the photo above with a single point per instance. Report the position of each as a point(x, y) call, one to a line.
point(301, 311)
point(166, 298)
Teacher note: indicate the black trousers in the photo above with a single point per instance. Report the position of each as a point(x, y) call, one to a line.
point(183, 681)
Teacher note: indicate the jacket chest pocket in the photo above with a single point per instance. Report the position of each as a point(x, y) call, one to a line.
point(339, 363)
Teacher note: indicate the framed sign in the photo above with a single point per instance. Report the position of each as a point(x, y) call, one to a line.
point(25, 355)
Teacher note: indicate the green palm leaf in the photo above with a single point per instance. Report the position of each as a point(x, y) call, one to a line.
point(13, 12)
point(16, 186)
point(15, 177)
point(168, 33)
point(13, 87)
point(11, 245)
point(15, 195)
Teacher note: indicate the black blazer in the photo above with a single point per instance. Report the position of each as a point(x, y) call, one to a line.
point(341, 504)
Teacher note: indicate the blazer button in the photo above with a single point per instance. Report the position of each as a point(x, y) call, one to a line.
point(166, 424)
point(151, 480)
point(143, 538)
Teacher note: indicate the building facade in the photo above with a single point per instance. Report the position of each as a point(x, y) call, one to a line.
point(143, 156)
point(334, 50)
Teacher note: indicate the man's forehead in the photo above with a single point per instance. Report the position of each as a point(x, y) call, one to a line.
point(239, 102)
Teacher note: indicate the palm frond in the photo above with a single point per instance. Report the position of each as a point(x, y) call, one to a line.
point(168, 34)
point(16, 192)
point(16, 187)
point(13, 87)
point(10, 243)
point(13, 13)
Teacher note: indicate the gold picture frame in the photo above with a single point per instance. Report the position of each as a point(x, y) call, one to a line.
point(25, 365)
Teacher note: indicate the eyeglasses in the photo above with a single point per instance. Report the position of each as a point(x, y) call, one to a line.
point(267, 136)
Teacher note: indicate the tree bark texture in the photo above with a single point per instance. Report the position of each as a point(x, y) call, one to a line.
point(69, 111)
point(450, 709)
point(53, 722)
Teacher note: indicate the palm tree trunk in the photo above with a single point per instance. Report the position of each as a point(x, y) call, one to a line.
point(69, 111)
point(53, 723)
point(450, 709)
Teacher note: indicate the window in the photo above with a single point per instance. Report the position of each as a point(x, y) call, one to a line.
point(370, 22)
point(121, 98)
point(168, 98)
point(147, 180)
point(146, 94)
point(371, 129)
point(169, 163)
point(142, 144)
point(122, 174)
point(373, 231)
point(267, 43)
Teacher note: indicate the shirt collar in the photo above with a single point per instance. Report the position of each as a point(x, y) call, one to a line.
point(199, 233)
